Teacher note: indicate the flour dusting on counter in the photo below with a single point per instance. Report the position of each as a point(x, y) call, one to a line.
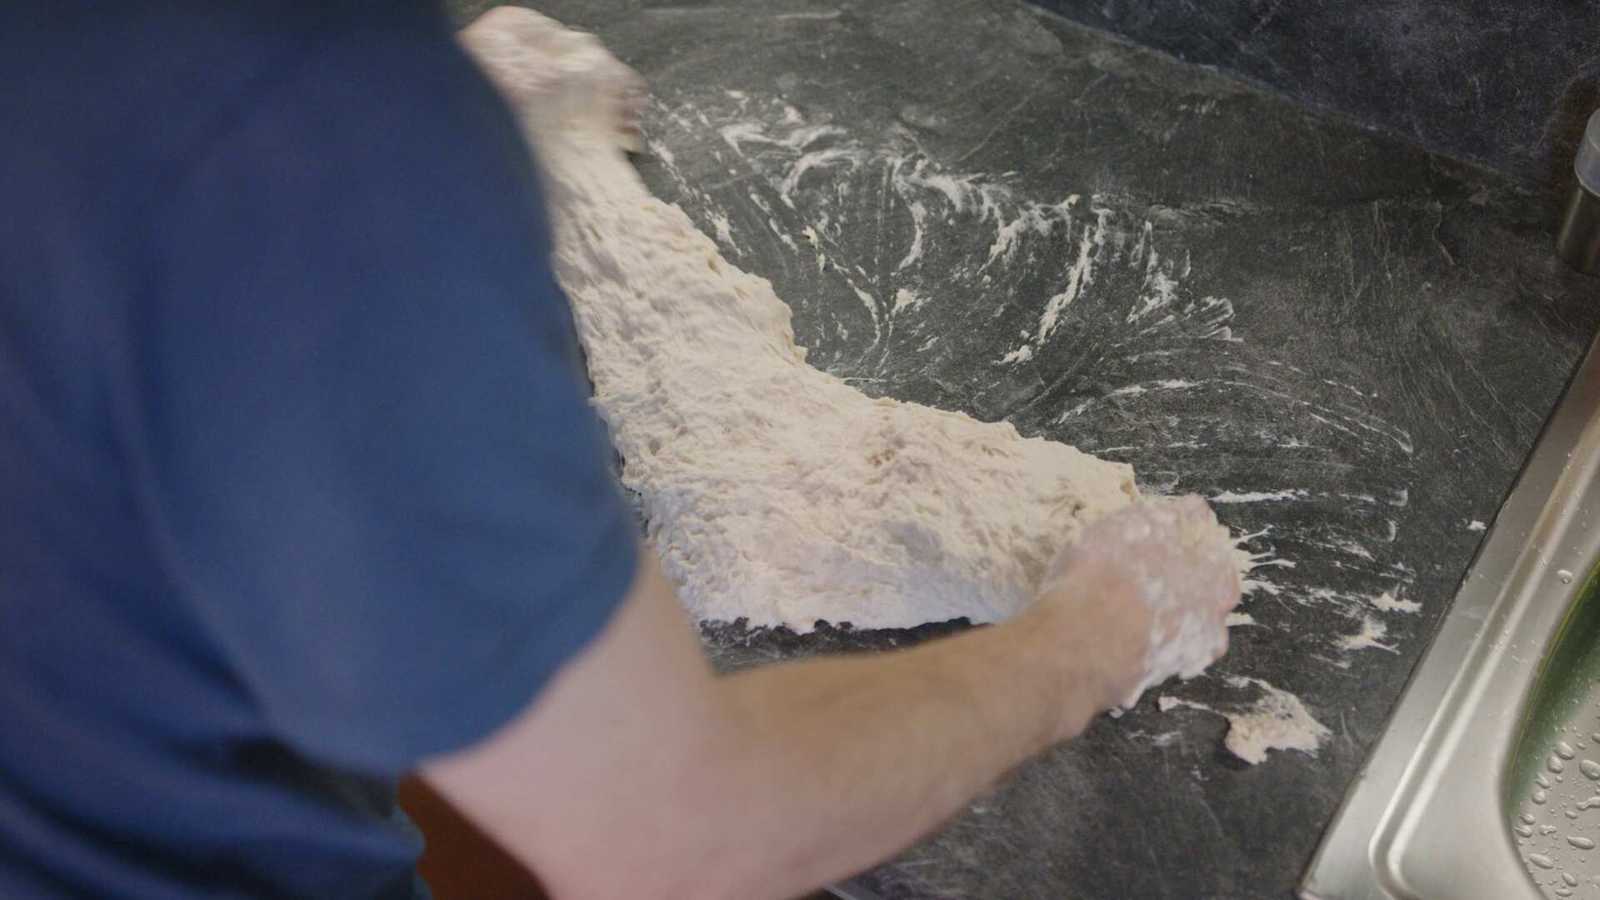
point(1388, 602)
point(1370, 636)
point(1275, 720)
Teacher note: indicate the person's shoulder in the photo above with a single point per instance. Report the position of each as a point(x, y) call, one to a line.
point(133, 92)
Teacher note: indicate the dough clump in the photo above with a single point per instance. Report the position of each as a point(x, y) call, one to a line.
point(773, 492)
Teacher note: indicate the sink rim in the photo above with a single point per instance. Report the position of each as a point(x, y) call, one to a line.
point(1425, 815)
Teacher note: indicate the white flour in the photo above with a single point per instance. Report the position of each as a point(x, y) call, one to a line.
point(774, 492)
point(1275, 720)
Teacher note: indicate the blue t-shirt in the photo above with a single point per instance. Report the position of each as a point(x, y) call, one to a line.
point(299, 484)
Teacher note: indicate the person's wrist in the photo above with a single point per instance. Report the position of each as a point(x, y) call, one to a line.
point(1107, 673)
point(1100, 632)
point(1079, 681)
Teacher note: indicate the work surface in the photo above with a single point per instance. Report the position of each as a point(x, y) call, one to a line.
point(1347, 344)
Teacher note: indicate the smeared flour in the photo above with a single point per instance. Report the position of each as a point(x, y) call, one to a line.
point(1371, 636)
point(773, 492)
point(1276, 720)
point(1388, 602)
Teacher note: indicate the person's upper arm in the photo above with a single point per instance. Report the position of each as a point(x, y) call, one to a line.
point(375, 469)
point(616, 782)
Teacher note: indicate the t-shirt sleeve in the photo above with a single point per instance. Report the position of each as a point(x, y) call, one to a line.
point(374, 465)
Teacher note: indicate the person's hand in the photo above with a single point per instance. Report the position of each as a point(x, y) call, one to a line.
point(1145, 593)
point(563, 81)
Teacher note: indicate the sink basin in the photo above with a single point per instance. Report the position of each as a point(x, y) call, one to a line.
point(1486, 782)
point(1553, 787)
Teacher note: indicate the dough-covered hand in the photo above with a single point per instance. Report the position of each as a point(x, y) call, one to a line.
point(1148, 590)
point(565, 81)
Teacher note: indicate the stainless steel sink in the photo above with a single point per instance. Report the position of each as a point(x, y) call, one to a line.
point(1553, 788)
point(1486, 783)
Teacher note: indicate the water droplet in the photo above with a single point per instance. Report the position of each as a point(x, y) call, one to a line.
point(1554, 763)
point(1548, 829)
point(1564, 750)
point(1528, 819)
point(1542, 861)
point(1523, 830)
point(1582, 843)
point(1590, 768)
point(1540, 797)
point(1541, 780)
point(1590, 803)
point(1563, 892)
point(1564, 575)
point(1570, 879)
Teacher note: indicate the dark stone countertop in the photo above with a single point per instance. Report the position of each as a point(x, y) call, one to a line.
point(1505, 82)
point(1346, 342)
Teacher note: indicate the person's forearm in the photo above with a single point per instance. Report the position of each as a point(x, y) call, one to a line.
point(640, 773)
point(841, 762)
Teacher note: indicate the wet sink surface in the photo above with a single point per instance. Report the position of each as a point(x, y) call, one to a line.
point(1553, 792)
